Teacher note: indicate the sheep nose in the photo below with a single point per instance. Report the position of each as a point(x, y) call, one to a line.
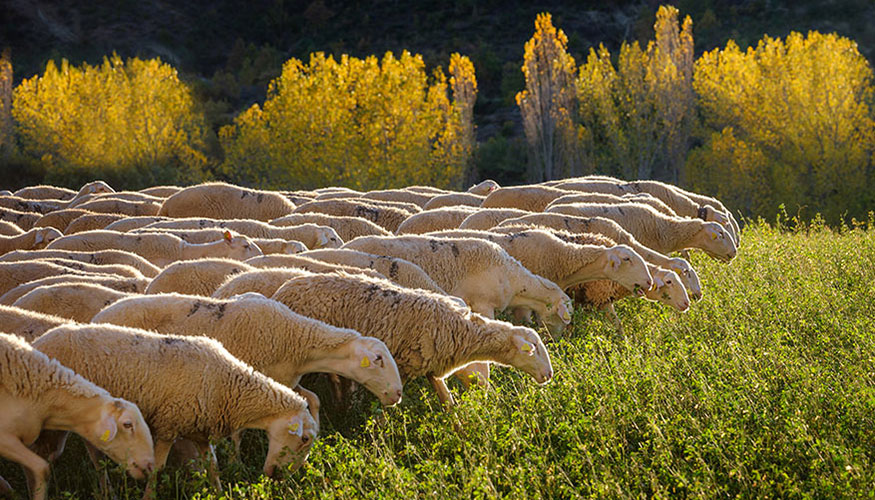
point(697, 296)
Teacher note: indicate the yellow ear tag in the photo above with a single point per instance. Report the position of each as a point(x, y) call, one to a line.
point(105, 436)
point(526, 348)
point(713, 236)
point(365, 362)
point(293, 427)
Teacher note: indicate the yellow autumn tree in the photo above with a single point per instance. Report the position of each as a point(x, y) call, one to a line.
point(637, 117)
point(131, 122)
point(548, 104)
point(800, 106)
point(361, 123)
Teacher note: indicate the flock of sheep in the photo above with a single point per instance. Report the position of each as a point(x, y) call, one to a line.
point(169, 317)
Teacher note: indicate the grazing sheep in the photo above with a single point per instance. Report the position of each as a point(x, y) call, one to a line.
point(130, 223)
point(161, 191)
point(13, 274)
point(27, 324)
point(308, 264)
point(264, 281)
point(38, 393)
point(60, 219)
point(410, 208)
point(335, 189)
point(428, 334)
point(159, 249)
point(707, 201)
point(91, 222)
point(388, 218)
point(297, 197)
point(399, 195)
point(484, 188)
point(199, 236)
point(660, 232)
point(397, 270)
point(454, 200)
point(43, 192)
point(580, 197)
point(614, 231)
point(312, 235)
point(76, 265)
point(10, 229)
point(195, 277)
point(478, 271)
point(33, 239)
point(127, 196)
point(348, 228)
point(24, 220)
point(124, 207)
point(337, 195)
point(224, 201)
point(532, 198)
point(186, 387)
point(100, 258)
point(435, 220)
point(25, 205)
point(75, 301)
point(426, 190)
point(487, 218)
point(278, 246)
point(128, 285)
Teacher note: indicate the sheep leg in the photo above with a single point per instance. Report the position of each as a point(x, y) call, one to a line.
point(96, 456)
point(522, 315)
point(443, 392)
point(162, 449)
point(612, 315)
point(50, 444)
point(208, 454)
point(474, 372)
point(685, 253)
point(186, 451)
point(11, 448)
point(313, 402)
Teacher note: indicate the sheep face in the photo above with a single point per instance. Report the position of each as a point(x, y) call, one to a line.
point(328, 238)
point(290, 436)
point(715, 241)
point(373, 366)
point(44, 236)
point(688, 276)
point(556, 313)
point(484, 188)
point(96, 187)
point(669, 289)
point(627, 268)
point(123, 435)
point(241, 247)
point(529, 354)
point(292, 247)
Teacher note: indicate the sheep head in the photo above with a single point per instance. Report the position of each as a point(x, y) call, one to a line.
point(240, 247)
point(290, 437)
point(715, 241)
point(120, 431)
point(371, 364)
point(627, 268)
point(669, 289)
point(44, 236)
point(687, 275)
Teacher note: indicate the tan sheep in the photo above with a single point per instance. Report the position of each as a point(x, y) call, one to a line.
point(707, 201)
point(60, 219)
point(75, 301)
point(427, 190)
point(395, 269)
point(200, 236)
point(25, 205)
point(24, 220)
point(312, 235)
point(194, 388)
point(435, 220)
point(85, 267)
point(37, 393)
point(10, 229)
point(399, 195)
point(388, 218)
point(43, 192)
point(264, 281)
point(91, 222)
point(348, 228)
point(660, 232)
point(195, 277)
point(308, 264)
point(486, 218)
point(33, 239)
point(409, 208)
point(159, 249)
point(484, 188)
point(337, 195)
point(532, 198)
point(647, 199)
point(27, 324)
point(100, 258)
point(130, 223)
point(428, 334)
point(225, 201)
point(13, 274)
point(454, 200)
point(334, 189)
point(124, 207)
point(128, 285)
point(161, 191)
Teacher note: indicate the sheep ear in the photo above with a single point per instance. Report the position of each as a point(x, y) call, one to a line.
point(107, 427)
point(227, 236)
point(296, 426)
point(366, 362)
point(564, 312)
point(614, 260)
point(524, 345)
point(40, 236)
point(658, 282)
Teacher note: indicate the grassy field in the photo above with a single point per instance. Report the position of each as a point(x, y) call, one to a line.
point(766, 388)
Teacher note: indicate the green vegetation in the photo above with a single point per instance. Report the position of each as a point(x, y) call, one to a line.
point(765, 388)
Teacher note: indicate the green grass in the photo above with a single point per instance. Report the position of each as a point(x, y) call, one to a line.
point(766, 388)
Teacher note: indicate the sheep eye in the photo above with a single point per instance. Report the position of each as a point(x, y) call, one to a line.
point(627, 259)
point(305, 439)
point(128, 425)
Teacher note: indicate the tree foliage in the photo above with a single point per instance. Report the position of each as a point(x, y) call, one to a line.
point(792, 122)
point(132, 122)
point(361, 123)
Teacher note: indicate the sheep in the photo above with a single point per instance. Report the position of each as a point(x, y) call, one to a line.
point(428, 334)
point(614, 231)
point(195, 277)
point(159, 249)
point(195, 389)
point(125, 196)
point(580, 197)
point(532, 198)
point(124, 207)
point(25, 205)
point(225, 201)
point(478, 271)
point(484, 188)
point(337, 195)
point(706, 201)
point(129, 285)
point(490, 217)
point(660, 232)
point(60, 219)
point(312, 235)
point(35, 238)
point(38, 393)
point(298, 197)
point(308, 264)
point(279, 246)
point(43, 192)
point(454, 200)
point(13, 274)
point(399, 195)
point(85, 267)
point(199, 236)
point(161, 191)
point(130, 223)
point(347, 228)
point(335, 189)
point(435, 220)
point(24, 220)
point(388, 218)
point(100, 258)
point(395, 269)
point(75, 301)
point(91, 222)
point(10, 229)
point(27, 324)
point(264, 281)
point(426, 190)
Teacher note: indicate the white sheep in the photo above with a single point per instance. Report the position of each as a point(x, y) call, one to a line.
point(10, 229)
point(91, 222)
point(38, 393)
point(484, 188)
point(13, 274)
point(581, 197)
point(43, 192)
point(159, 249)
point(130, 223)
point(263, 281)
point(161, 191)
point(388, 218)
point(312, 235)
point(25, 205)
point(186, 387)
point(435, 220)
point(308, 264)
point(532, 198)
point(225, 201)
point(75, 301)
point(34, 239)
point(60, 219)
point(195, 277)
point(428, 334)
point(347, 228)
point(486, 218)
point(200, 236)
point(658, 231)
point(100, 258)
point(454, 200)
point(395, 269)
point(128, 285)
point(120, 206)
point(24, 220)
point(121, 270)
point(27, 324)
point(399, 195)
